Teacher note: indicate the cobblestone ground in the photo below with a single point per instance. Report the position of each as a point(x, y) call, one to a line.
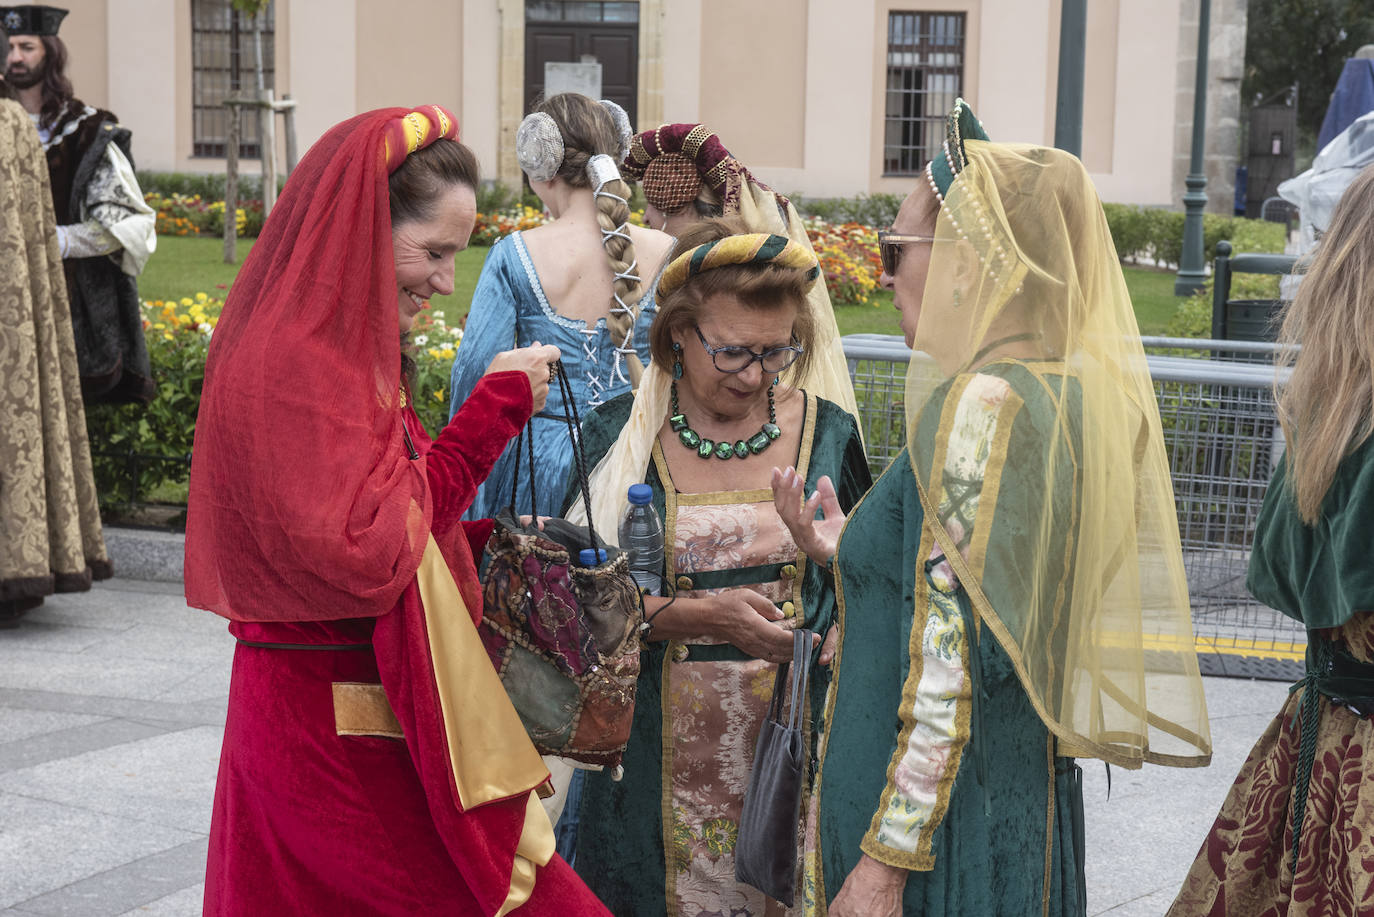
point(112, 709)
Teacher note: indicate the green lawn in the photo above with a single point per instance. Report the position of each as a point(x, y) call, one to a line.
point(187, 265)
point(1152, 295)
point(184, 266)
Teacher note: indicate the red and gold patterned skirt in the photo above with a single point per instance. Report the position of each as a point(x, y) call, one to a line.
point(1245, 866)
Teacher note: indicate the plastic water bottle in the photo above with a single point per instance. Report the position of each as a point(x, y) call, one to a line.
point(591, 557)
point(641, 536)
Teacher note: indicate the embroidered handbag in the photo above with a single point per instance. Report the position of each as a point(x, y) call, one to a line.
point(766, 849)
point(563, 636)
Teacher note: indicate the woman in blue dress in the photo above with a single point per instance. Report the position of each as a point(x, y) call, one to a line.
point(585, 281)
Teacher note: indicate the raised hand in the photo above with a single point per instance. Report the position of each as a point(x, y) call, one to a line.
point(815, 537)
point(534, 361)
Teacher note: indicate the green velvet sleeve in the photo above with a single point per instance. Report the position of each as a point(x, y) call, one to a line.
point(1319, 574)
point(837, 452)
point(600, 427)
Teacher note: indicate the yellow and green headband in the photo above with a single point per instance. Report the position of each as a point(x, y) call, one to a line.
point(750, 248)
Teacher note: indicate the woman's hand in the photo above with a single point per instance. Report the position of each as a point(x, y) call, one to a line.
point(816, 539)
point(828, 649)
point(749, 622)
point(534, 362)
point(872, 889)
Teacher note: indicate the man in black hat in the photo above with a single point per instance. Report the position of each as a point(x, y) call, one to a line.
point(105, 230)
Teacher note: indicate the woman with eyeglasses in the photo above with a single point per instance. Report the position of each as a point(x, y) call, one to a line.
point(687, 175)
point(722, 403)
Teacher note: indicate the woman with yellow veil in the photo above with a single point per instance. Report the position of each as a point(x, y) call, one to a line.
point(1039, 611)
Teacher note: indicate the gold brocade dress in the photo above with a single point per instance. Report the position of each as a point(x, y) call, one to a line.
point(661, 839)
point(50, 535)
point(717, 705)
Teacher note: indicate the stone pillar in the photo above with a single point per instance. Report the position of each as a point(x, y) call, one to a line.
point(651, 108)
point(511, 89)
point(1225, 67)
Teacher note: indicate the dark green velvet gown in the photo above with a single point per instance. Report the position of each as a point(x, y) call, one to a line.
point(1321, 575)
point(621, 849)
point(900, 744)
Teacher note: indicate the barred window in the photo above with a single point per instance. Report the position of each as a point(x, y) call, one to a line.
point(580, 11)
point(925, 74)
point(222, 66)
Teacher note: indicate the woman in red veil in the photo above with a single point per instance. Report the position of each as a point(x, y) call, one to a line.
point(372, 763)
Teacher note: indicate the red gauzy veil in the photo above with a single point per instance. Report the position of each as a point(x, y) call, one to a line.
point(304, 505)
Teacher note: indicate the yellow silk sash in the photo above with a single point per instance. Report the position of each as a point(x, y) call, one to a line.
point(489, 753)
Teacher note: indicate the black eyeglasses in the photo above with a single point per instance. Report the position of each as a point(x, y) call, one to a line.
point(731, 359)
point(890, 248)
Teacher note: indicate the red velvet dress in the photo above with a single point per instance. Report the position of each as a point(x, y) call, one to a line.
point(307, 821)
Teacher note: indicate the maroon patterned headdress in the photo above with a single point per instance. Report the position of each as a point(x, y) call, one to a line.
point(673, 161)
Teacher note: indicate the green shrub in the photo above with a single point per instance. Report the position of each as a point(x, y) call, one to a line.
point(1157, 233)
point(494, 197)
point(877, 210)
point(1194, 316)
point(136, 448)
point(209, 185)
point(1257, 236)
point(1129, 230)
point(142, 452)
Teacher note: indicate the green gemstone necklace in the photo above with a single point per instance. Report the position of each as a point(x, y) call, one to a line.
point(724, 450)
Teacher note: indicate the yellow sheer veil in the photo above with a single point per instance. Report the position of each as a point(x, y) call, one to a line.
point(1079, 575)
point(627, 461)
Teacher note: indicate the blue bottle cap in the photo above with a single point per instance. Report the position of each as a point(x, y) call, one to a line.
point(590, 557)
point(641, 494)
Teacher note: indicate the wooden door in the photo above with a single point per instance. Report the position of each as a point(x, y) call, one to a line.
point(614, 44)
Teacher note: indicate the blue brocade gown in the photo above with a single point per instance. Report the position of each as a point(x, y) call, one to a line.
point(509, 308)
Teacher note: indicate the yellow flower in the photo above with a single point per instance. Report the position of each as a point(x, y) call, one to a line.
point(159, 325)
point(446, 353)
point(201, 297)
point(434, 352)
point(438, 395)
point(185, 300)
point(167, 335)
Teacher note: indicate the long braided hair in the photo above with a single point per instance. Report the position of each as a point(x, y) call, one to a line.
point(588, 130)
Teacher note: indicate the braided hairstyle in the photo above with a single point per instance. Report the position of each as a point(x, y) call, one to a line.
point(587, 130)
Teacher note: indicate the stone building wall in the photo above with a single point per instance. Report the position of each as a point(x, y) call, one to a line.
point(1225, 67)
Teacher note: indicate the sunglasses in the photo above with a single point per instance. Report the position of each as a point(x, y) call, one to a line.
point(890, 248)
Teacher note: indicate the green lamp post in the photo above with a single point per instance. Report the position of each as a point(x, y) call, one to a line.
point(1068, 108)
point(1191, 268)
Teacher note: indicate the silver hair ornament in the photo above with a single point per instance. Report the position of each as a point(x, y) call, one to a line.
point(623, 130)
point(539, 146)
point(601, 169)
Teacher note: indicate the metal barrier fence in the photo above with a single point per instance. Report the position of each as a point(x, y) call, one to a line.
point(1223, 441)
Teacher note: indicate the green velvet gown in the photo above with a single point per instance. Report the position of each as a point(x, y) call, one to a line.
point(1321, 575)
point(901, 744)
point(623, 850)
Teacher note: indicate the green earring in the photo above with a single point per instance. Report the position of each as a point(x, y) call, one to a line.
point(677, 360)
point(958, 300)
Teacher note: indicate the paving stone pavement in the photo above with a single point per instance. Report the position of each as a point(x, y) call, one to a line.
point(112, 709)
